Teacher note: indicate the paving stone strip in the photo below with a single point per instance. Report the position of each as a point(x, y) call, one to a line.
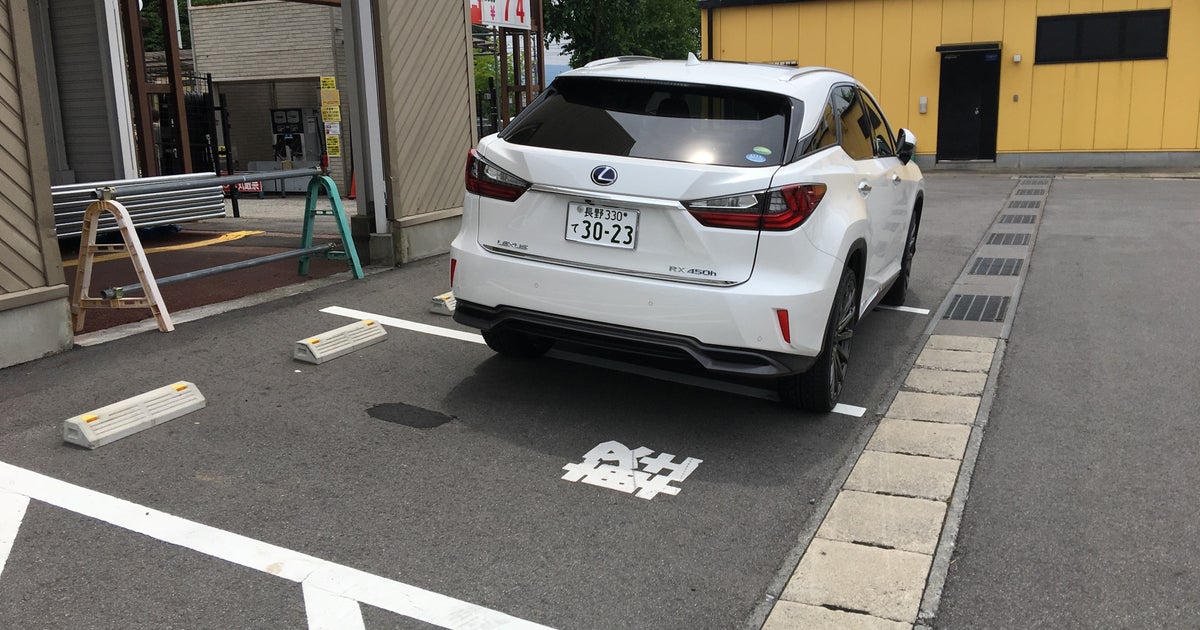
point(878, 559)
point(868, 564)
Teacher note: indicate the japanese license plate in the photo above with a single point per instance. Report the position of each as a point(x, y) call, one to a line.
point(602, 225)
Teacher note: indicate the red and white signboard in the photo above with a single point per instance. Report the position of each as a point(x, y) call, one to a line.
point(506, 13)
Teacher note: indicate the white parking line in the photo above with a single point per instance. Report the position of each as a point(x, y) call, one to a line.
point(667, 375)
point(327, 611)
point(12, 512)
point(903, 309)
point(684, 379)
point(332, 580)
point(405, 324)
point(849, 410)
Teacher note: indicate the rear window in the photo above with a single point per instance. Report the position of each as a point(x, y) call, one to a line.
point(663, 121)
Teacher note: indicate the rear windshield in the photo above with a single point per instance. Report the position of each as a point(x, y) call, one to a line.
point(664, 121)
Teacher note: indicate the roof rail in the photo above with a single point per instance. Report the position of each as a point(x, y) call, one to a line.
point(809, 70)
point(610, 60)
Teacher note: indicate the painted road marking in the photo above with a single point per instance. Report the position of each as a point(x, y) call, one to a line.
point(329, 580)
point(693, 380)
point(327, 611)
point(224, 238)
point(631, 471)
point(405, 324)
point(849, 410)
point(12, 512)
point(903, 309)
point(664, 375)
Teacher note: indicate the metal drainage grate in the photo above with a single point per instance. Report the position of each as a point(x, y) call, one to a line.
point(996, 267)
point(1031, 191)
point(978, 308)
point(1018, 218)
point(1007, 238)
point(1025, 204)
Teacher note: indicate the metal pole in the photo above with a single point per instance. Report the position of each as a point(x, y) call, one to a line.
point(145, 189)
point(118, 292)
point(192, 44)
point(233, 192)
point(367, 108)
point(169, 13)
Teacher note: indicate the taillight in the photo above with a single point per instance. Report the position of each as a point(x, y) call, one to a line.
point(792, 205)
point(489, 180)
point(783, 209)
point(453, 265)
point(740, 212)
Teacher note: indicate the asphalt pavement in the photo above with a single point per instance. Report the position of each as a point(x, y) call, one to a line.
point(429, 462)
point(1083, 509)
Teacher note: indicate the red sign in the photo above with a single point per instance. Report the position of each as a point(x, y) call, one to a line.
point(245, 187)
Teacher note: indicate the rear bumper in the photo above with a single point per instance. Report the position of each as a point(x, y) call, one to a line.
point(719, 359)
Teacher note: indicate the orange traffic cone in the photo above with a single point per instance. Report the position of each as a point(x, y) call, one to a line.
point(353, 189)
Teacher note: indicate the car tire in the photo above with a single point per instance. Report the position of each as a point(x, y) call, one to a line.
point(517, 344)
point(819, 388)
point(899, 291)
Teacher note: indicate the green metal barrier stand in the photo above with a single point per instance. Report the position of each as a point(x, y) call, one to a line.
point(348, 252)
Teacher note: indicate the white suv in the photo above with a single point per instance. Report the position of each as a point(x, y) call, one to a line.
point(740, 216)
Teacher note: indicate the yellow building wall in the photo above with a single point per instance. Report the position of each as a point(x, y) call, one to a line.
point(889, 45)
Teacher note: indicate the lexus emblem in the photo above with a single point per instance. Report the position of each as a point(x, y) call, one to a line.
point(604, 175)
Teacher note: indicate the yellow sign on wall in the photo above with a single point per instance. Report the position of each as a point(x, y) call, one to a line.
point(331, 113)
point(330, 96)
point(333, 146)
point(328, 83)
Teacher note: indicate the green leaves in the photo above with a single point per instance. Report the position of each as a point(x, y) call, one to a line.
point(595, 29)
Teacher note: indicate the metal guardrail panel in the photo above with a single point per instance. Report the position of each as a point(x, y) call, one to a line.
point(202, 202)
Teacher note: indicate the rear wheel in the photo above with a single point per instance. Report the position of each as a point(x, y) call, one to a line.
point(517, 344)
point(899, 291)
point(820, 387)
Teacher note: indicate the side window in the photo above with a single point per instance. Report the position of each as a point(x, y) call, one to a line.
point(881, 135)
point(826, 133)
point(856, 127)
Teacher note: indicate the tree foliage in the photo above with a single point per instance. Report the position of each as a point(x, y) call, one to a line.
point(595, 29)
point(152, 26)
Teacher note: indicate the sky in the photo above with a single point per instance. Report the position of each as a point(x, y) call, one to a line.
point(556, 61)
point(556, 56)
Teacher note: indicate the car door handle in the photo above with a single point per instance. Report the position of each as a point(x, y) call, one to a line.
point(896, 179)
point(864, 188)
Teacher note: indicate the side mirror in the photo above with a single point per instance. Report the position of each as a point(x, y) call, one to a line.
point(906, 146)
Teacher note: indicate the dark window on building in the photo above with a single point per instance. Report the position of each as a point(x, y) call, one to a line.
point(1118, 36)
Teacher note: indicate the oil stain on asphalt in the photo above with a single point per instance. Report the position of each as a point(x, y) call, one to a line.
point(409, 415)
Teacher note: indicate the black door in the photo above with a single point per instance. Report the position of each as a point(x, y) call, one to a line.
point(968, 102)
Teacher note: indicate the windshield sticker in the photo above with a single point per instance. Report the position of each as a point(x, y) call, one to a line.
point(762, 150)
point(754, 157)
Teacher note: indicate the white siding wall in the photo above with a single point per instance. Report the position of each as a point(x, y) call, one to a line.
point(250, 41)
point(34, 314)
point(269, 54)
